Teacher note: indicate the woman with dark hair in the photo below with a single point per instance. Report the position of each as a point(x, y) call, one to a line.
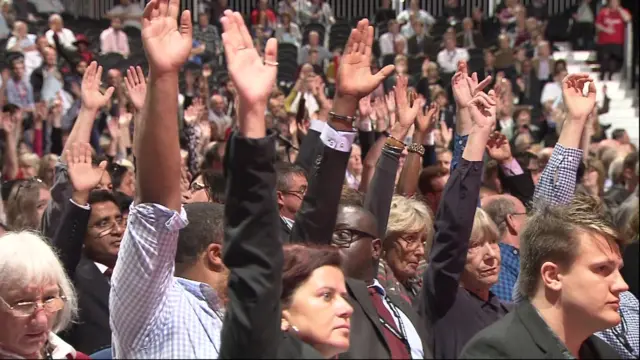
point(611, 28)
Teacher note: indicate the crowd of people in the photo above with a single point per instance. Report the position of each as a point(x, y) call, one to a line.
point(443, 199)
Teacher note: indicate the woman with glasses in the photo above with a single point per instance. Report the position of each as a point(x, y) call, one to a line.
point(27, 201)
point(37, 300)
point(405, 247)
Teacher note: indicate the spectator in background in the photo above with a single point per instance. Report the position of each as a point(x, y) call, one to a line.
point(66, 38)
point(543, 63)
point(218, 116)
point(552, 92)
point(420, 43)
point(610, 26)
point(538, 9)
point(388, 39)
point(414, 10)
point(469, 38)
point(47, 80)
point(583, 29)
point(504, 56)
point(321, 13)
point(82, 44)
point(263, 15)
point(207, 34)
point(314, 43)
point(114, 40)
point(528, 86)
point(452, 10)
point(449, 57)
point(19, 90)
point(384, 13)
point(288, 7)
point(354, 167)
point(26, 204)
point(130, 11)
point(21, 8)
point(6, 19)
point(25, 43)
point(48, 6)
point(288, 31)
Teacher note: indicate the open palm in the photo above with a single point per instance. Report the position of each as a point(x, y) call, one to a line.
point(166, 46)
point(578, 105)
point(252, 78)
point(427, 117)
point(136, 86)
point(406, 114)
point(84, 177)
point(354, 76)
point(92, 98)
point(498, 147)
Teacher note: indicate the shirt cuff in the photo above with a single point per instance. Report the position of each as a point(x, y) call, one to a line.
point(156, 216)
point(430, 139)
point(86, 207)
point(338, 140)
point(512, 168)
point(317, 125)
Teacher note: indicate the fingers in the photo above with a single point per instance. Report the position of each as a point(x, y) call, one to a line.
point(271, 53)
point(352, 42)
point(242, 29)
point(109, 92)
point(163, 8)
point(85, 153)
point(102, 165)
point(174, 9)
point(369, 42)
point(98, 75)
point(385, 72)
point(186, 27)
point(483, 84)
point(148, 11)
point(90, 71)
point(140, 79)
point(592, 90)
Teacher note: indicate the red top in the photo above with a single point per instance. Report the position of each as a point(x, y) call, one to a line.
point(255, 16)
point(611, 19)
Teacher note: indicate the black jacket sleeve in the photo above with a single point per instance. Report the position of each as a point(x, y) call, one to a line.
point(309, 148)
point(252, 251)
point(520, 186)
point(69, 236)
point(380, 194)
point(453, 224)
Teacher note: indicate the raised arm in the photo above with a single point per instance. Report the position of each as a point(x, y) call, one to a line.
point(69, 236)
point(143, 276)
point(558, 180)
point(10, 166)
point(252, 248)
point(317, 216)
point(515, 180)
point(454, 219)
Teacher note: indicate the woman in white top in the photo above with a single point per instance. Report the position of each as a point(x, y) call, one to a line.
point(25, 43)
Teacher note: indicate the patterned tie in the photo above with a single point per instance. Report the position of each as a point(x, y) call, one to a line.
point(397, 347)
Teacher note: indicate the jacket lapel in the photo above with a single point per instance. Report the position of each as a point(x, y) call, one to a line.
point(539, 330)
point(360, 295)
point(93, 282)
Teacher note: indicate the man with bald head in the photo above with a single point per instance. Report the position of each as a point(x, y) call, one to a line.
point(510, 216)
point(218, 115)
point(313, 43)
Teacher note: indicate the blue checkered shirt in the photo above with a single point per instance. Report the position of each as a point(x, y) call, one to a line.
point(557, 183)
point(509, 270)
point(625, 337)
point(153, 314)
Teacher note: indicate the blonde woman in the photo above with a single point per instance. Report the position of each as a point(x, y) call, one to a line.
point(27, 201)
point(405, 247)
point(37, 300)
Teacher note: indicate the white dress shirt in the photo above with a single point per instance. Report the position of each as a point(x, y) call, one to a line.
point(114, 41)
point(387, 42)
point(448, 60)
point(551, 91)
point(66, 37)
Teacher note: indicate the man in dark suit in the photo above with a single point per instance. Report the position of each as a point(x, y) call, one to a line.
point(420, 43)
point(469, 38)
point(572, 284)
point(92, 220)
point(291, 187)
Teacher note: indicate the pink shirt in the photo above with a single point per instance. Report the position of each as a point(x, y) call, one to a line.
point(112, 41)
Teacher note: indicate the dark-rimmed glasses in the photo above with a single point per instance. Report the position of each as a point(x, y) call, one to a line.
point(343, 238)
point(298, 193)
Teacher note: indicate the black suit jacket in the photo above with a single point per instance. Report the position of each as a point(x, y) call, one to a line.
point(427, 46)
point(478, 40)
point(315, 222)
point(92, 332)
point(523, 333)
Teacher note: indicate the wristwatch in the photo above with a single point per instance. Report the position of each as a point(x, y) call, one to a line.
point(416, 148)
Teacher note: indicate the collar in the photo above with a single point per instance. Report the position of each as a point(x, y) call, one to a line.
point(101, 267)
point(202, 292)
point(509, 249)
point(288, 222)
point(379, 289)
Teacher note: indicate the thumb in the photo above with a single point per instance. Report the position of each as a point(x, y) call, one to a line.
point(592, 90)
point(109, 92)
point(186, 28)
point(103, 165)
point(385, 72)
point(271, 53)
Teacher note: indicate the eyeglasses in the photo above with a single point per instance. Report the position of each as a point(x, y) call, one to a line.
point(106, 226)
point(28, 308)
point(413, 241)
point(196, 186)
point(343, 238)
point(26, 184)
point(298, 193)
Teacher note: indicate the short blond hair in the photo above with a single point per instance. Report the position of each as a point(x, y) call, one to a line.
point(409, 216)
point(29, 159)
point(27, 259)
point(484, 229)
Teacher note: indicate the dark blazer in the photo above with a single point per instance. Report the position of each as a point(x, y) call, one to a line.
point(315, 222)
point(427, 46)
point(92, 332)
point(524, 333)
point(253, 254)
point(478, 40)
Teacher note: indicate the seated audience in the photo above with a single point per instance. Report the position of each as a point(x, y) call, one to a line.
point(65, 37)
point(449, 57)
point(128, 10)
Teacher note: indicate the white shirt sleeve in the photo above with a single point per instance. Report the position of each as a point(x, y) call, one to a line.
point(338, 140)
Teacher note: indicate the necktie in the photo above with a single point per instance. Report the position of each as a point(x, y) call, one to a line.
point(398, 348)
point(107, 273)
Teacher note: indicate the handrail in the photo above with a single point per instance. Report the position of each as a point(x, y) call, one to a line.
point(627, 67)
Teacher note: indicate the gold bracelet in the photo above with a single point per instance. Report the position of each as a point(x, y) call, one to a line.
point(393, 142)
point(416, 148)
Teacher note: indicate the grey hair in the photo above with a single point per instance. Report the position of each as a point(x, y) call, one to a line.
point(27, 259)
point(615, 170)
point(498, 210)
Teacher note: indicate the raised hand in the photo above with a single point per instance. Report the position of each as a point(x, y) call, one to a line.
point(498, 147)
point(92, 98)
point(578, 105)
point(483, 110)
point(427, 117)
point(193, 112)
point(83, 175)
point(167, 47)
point(364, 106)
point(406, 114)
point(41, 112)
point(252, 77)
point(390, 101)
point(136, 86)
point(354, 78)
point(465, 87)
